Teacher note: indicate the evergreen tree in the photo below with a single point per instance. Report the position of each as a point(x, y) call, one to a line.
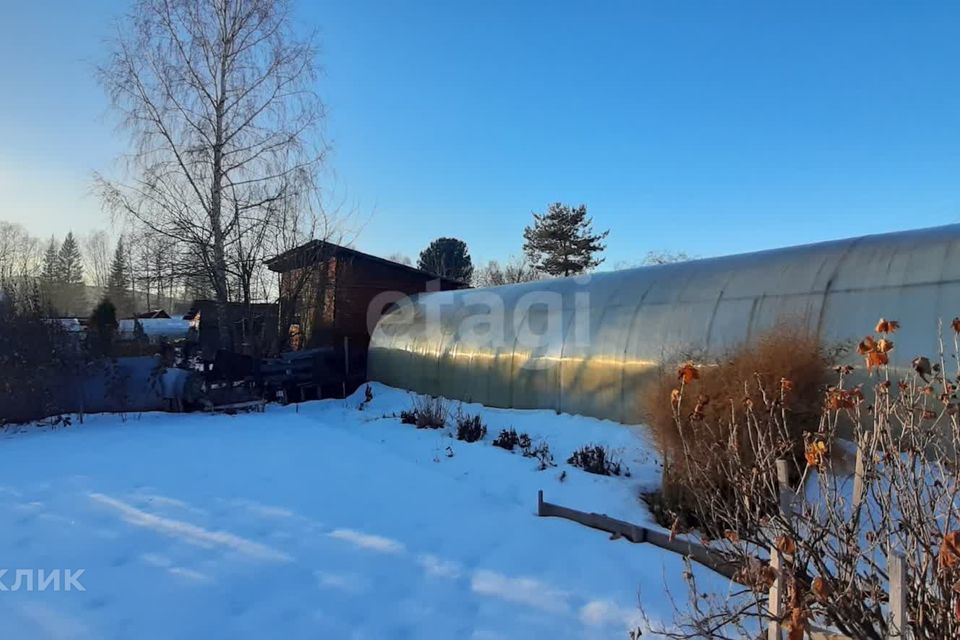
point(71, 297)
point(102, 328)
point(51, 263)
point(51, 280)
point(70, 261)
point(561, 242)
point(447, 258)
point(118, 279)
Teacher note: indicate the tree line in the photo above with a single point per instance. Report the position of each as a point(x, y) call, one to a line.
point(559, 242)
point(73, 273)
point(219, 105)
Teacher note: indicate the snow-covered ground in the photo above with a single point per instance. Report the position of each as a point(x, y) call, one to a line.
point(322, 521)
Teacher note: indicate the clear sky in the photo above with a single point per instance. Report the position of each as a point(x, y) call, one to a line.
point(707, 127)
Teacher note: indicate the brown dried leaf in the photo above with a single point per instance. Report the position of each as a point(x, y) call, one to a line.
point(820, 588)
point(688, 373)
point(785, 544)
point(838, 399)
point(877, 359)
point(815, 453)
point(756, 575)
point(887, 326)
point(950, 551)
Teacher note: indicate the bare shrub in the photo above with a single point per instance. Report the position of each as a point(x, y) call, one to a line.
point(426, 413)
point(599, 460)
point(509, 439)
point(470, 428)
point(834, 534)
point(37, 356)
point(541, 452)
point(696, 415)
point(367, 398)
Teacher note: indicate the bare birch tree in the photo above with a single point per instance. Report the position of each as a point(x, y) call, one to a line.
point(515, 270)
point(217, 97)
point(96, 256)
point(21, 258)
point(12, 238)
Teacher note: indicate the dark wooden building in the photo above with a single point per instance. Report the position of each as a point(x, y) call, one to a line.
point(329, 292)
point(252, 328)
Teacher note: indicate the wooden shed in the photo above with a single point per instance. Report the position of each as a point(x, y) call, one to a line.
point(252, 328)
point(329, 292)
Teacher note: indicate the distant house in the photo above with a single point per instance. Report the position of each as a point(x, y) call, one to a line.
point(329, 292)
point(156, 314)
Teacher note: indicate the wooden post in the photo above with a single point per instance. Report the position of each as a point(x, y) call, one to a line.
point(779, 561)
point(775, 604)
point(346, 363)
point(786, 493)
point(898, 596)
point(858, 473)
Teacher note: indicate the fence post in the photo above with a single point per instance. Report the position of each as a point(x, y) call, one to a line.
point(346, 363)
point(778, 560)
point(898, 597)
point(858, 474)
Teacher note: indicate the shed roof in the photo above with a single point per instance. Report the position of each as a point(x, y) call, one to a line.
point(316, 250)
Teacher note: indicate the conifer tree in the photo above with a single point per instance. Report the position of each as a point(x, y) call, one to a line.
point(51, 263)
point(51, 281)
point(447, 258)
point(561, 242)
point(118, 279)
point(70, 297)
point(70, 261)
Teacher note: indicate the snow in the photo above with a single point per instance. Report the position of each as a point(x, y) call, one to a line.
point(323, 521)
point(169, 328)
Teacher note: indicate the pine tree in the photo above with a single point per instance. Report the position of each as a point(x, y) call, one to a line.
point(71, 297)
point(51, 280)
point(447, 258)
point(561, 242)
point(70, 261)
point(118, 279)
point(51, 263)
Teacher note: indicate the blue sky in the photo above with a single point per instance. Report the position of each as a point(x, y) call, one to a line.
point(705, 127)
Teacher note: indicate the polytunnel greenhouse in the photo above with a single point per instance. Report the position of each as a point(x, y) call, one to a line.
point(585, 344)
